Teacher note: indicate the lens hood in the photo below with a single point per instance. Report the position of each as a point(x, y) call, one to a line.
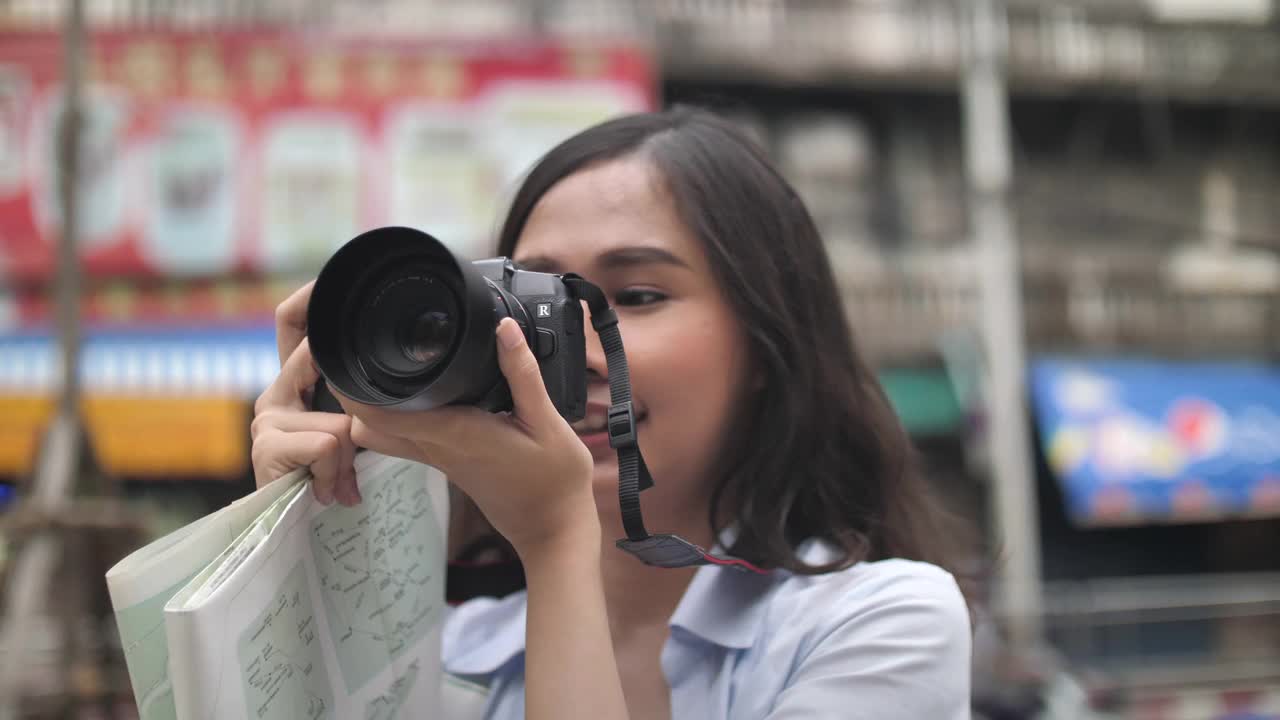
point(386, 278)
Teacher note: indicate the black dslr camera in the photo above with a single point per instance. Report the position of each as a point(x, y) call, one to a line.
point(396, 320)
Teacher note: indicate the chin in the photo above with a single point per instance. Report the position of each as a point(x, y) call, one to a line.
point(604, 484)
point(607, 510)
point(604, 476)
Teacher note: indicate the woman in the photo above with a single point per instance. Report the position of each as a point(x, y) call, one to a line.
point(768, 438)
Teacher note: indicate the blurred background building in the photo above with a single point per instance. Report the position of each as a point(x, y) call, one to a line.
point(229, 147)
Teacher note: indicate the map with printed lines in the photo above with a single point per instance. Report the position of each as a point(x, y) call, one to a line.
point(281, 662)
point(374, 563)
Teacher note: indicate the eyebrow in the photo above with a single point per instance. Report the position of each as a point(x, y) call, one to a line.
point(612, 260)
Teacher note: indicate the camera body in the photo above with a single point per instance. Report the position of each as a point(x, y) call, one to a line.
point(553, 326)
point(396, 320)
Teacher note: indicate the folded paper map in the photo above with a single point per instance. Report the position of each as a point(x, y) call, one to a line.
point(277, 607)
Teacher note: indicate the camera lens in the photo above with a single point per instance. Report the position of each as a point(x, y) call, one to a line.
point(406, 327)
point(396, 320)
point(426, 339)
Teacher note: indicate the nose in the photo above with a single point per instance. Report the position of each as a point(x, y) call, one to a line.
point(597, 368)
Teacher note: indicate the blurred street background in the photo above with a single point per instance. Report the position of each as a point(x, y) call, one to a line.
point(1056, 224)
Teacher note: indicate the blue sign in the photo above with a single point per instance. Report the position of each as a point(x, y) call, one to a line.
point(1138, 441)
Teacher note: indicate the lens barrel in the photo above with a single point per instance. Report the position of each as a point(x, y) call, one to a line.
point(396, 320)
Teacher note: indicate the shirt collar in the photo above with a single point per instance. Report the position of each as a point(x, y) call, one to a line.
point(722, 606)
point(482, 635)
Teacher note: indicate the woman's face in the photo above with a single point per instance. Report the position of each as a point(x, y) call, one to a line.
point(615, 225)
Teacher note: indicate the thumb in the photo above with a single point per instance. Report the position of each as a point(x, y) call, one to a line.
point(520, 367)
point(296, 378)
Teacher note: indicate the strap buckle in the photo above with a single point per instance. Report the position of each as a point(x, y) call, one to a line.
point(622, 425)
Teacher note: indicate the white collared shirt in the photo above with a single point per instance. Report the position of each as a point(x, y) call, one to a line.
point(886, 640)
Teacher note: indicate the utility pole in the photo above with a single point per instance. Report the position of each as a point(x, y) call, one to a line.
point(989, 170)
point(58, 465)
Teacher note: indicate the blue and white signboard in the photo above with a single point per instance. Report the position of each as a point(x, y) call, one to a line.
point(147, 361)
point(1137, 442)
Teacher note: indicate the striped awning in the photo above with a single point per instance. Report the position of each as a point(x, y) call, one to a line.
point(238, 361)
point(157, 402)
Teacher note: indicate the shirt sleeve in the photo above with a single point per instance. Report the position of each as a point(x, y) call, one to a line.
point(899, 652)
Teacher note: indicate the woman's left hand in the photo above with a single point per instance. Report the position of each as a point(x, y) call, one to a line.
point(526, 470)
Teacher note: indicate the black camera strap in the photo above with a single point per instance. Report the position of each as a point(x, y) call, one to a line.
point(668, 551)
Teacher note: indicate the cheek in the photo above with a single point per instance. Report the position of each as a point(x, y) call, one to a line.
point(687, 373)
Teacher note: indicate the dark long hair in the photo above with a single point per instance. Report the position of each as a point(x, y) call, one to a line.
point(818, 452)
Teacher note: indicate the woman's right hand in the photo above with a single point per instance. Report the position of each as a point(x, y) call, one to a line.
point(286, 433)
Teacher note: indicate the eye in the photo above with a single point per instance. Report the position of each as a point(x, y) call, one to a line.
point(638, 296)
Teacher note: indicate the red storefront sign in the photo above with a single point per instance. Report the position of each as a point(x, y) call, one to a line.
point(212, 154)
